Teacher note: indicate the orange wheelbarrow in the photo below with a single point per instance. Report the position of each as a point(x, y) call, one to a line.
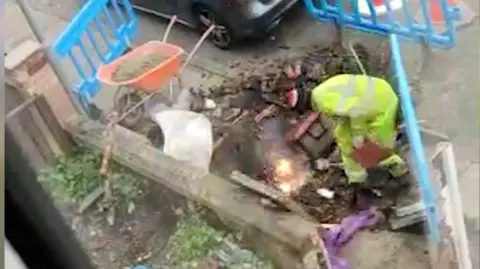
point(130, 106)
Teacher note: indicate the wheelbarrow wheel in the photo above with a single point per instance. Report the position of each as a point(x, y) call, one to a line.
point(124, 103)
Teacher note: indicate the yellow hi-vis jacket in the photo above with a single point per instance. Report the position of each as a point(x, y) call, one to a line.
point(369, 104)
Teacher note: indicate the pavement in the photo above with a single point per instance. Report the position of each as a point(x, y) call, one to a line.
point(450, 90)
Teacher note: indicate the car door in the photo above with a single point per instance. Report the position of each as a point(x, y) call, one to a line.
point(158, 7)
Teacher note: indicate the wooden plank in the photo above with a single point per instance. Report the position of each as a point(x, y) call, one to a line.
point(90, 199)
point(31, 125)
point(35, 158)
point(269, 192)
point(21, 108)
point(36, 115)
point(58, 133)
point(45, 134)
point(25, 129)
point(221, 195)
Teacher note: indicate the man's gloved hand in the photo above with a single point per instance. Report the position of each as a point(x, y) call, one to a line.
point(358, 141)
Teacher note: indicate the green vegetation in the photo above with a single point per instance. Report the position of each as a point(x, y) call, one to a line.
point(195, 242)
point(77, 175)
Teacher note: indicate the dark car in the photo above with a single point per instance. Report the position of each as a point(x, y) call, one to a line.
point(235, 19)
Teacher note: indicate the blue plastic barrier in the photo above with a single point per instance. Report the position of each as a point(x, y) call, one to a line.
point(115, 34)
point(335, 11)
point(421, 167)
point(385, 25)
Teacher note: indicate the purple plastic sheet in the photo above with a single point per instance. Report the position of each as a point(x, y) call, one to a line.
point(336, 237)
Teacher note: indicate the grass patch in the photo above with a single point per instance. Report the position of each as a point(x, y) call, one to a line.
point(195, 243)
point(77, 174)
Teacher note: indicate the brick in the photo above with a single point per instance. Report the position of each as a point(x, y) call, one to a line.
point(18, 55)
point(23, 61)
point(45, 82)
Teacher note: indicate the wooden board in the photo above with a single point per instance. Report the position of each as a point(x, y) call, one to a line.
point(221, 195)
point(35, 127)
point(269, 192)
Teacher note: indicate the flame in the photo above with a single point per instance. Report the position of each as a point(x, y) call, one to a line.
point(285, 176)
point(285, 187)
point(283, 168)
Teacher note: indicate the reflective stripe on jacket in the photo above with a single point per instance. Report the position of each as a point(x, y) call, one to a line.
point(353, 96)
point(367, 105)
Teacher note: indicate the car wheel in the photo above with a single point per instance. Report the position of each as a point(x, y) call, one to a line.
point(222, 36)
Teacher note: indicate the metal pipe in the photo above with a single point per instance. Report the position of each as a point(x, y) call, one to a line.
point(61, 76)
point(197, 46)
point(169, 27)
point(420, 164)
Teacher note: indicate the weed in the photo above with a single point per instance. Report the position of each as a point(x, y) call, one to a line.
point(193, 242)
point(76, 175)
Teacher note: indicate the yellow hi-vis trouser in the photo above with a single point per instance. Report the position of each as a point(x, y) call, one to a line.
point(384, 134)
point(368, 107)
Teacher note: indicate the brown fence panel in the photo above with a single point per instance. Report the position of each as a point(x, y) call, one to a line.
point(35, 127)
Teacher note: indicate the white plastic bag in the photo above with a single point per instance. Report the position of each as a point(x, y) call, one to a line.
point(188, 136)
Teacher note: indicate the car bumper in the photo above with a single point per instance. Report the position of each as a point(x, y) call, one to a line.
point(258, 21)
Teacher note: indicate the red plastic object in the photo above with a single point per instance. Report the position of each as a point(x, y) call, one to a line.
point(370, 154)
point(152, 80)
point(301, 128)
point(378, 3)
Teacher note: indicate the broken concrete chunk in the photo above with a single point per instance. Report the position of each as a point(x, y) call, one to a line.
point(209, 104)
point(326, 193)
point(22, 62)
point(25, 56)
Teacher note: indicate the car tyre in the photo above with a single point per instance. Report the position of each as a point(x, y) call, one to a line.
point(222, 37)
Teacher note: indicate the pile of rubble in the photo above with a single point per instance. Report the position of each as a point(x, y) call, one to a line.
point(258, 98)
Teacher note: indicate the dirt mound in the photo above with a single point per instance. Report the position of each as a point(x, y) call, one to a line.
point(137, 66)
point(267, 88)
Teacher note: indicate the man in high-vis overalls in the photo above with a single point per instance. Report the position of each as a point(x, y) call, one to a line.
point(361, 107)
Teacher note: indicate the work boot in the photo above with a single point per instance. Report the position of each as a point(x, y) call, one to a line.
point(361, 197)
point(403, 182)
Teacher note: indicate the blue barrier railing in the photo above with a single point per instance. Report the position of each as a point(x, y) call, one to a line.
point(114, 34)
point(420, 165)
point(386, 25)
point(410, 29)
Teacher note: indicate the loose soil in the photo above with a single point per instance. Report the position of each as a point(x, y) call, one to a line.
point(163, 231)
point(249, 95)
point(137, 66)
point(136, 237)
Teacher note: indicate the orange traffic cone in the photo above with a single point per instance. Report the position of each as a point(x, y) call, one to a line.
point(437, 13)
point(379, 6)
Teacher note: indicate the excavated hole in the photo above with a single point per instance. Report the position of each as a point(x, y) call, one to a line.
point(247, 150)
